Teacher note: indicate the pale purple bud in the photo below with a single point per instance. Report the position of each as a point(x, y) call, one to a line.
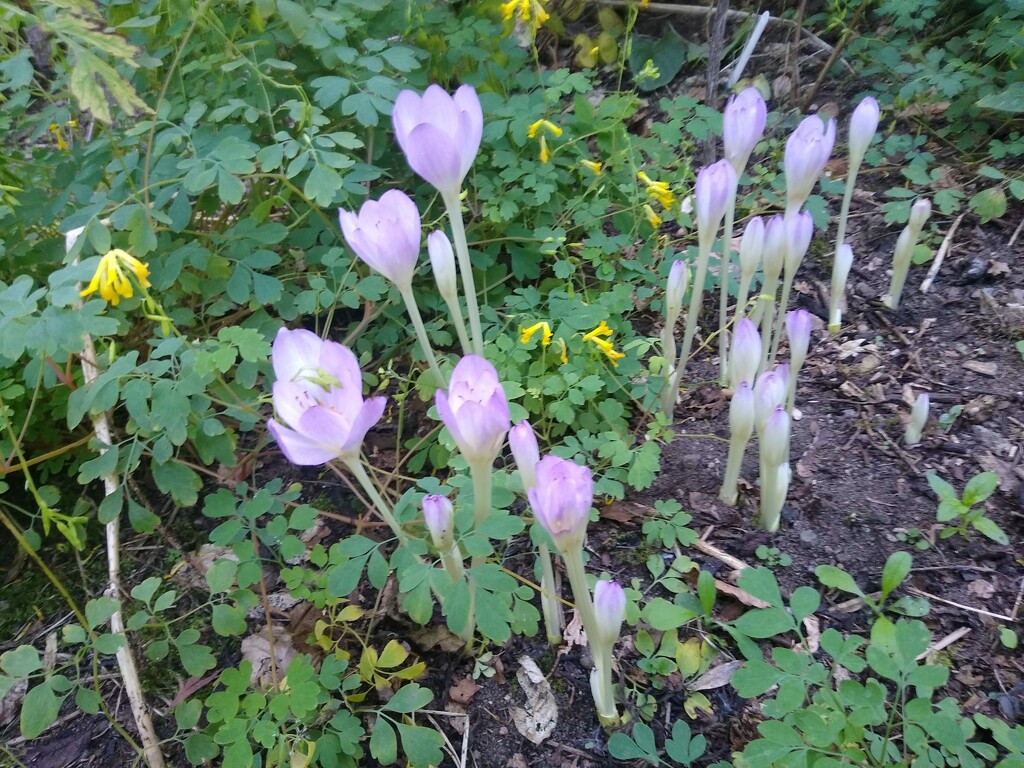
point(752, 247)
point(769, 393)
point(678, 282)
point(807, 150)
point(609, 611)
point(746, 352)
point(863, 124)
point(561, 501)
point(385, 234)
point(523, 442)
point(475, 409)
point(918, 419)
point(318, 399)
point(779, 490)
point(799, 231)
point(438, 514)
point(844, 262)
point(775, 245)
point(439, 134)
point(919, 213)
point(715, 188)
point(798, 331)
point(442, 259)
point(775, 438)
point(741, 412)
point(782, 370)
point(742, 126)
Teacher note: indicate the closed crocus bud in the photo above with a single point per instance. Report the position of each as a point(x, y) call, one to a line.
point(716, 186)
point(775, 438)
point(798, 331)
point(318, 400)
point(438, 514)
point(746, 352)
point(561, 500)
point(775, 246)
point(442, 259)
point(807, 150)
point(609, 611)
point(475, 410)
point(523, 442)
point(439, 134)
point(918, 419)
point(741, 412)
point(863, 124)
point(919, 213)
point(678, 282)
point(752, 247)
point(385, 234)
point(769, 393)
point(799, 231)
point(840, 272)
point(742, 126)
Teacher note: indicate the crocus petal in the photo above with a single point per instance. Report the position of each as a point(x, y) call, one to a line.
point(291, 399)
point(432, 155)
point(294, 352)
point(298, 448)
point(448, 417)
point(366, 418)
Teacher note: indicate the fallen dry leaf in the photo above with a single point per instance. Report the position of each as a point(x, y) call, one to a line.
point(537, 720)
point(256, 648)
point(715, 677)
point(984, 368)
point(625, 512)
point(463, 691)
point(740, 594)
point(981, 589)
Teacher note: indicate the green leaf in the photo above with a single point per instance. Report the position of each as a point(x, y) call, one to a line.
point(941, 488)
point(87, 700)
point(989, 204)
point(896, 570)
point(980, 487)
point(837, 578)
point(1010, 99)
point(228, 620)
point(765, 622)
point(803, 602)
point(988, 527)
point(664, 616)
point(21, 662)
point(755, 677)
point(196, 659)
point(39, 709)
point(100, 609)
point(761, 583)
point(421, 745)
point(408, 699)
point(177, 480)
point(640, 747)
point(681, 747)
point(668, 53)
point(220, 576)
point(706, 591)
point(383, 742)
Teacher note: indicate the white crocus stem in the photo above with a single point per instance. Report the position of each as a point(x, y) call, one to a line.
point(840, 272)
point(550, 606)
point(723, 303)
point(451, 559)
point(918, 418)
point(768, 291)
point(455, 311)
point(454, 208)
point(904, 253)
point(774, 499)
point(482, 475)
point(741, 427)
point(421, 334)
point(668, 397)
point(382, 507)
point(839, 285)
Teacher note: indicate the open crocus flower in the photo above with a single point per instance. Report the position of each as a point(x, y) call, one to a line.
point(318, 399)
point(561, 500)
point(439, 134)
point(386, 235)
point(475, 410)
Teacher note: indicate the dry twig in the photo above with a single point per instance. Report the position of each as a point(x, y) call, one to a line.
point(947, 241)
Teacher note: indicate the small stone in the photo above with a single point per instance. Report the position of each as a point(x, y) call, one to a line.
point(808, 537)
point(691, 460)
point(974, 269)
point(985, 369)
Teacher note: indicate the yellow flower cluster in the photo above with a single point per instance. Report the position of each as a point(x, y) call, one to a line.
point(601, 337)
point(528, 333)
point(547, 127)
point(529, 11)
point(658, 190)
point(111, 280)
point(593, 166)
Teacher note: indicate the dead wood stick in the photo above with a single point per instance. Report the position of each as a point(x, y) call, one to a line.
point(947, 242)
point(793, 50)
point(710, 549)
point(843, 40)
point(982, 611)
point(715, 43)
point(945, 642)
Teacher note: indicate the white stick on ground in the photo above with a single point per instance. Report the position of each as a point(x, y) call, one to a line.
point(933, 271)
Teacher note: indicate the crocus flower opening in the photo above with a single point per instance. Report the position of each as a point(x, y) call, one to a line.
point(863, 124)
point(840, 272)
point(919, 213)
point(741, 412)
point(475, 410)
point(442, 259)
point(742, 126)
point(799, 231)
point(769, 393)
point(439, 133)
point(438, 514)
point(561, 500)
point(752, 246)
point(775, 438)
point(715, 187)
point(746, 353)
point(523, 442)
point(775, 245)
point(609, 610)
point(807, 150)
point(798, 331)
point(678, 282)
point(385, 234)
point(321, 414)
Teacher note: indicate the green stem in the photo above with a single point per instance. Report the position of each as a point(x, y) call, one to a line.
point(723, 308)
point(668, 397)
point(844, 212)
point(580, 590)
point(454, 208)
point(355, 466)
point(767, 318)
point(787, 285)
point(421, 334)
point(549, 604)
point(737, 447)
point(460, 324)
point(482, 475)
point(452, 562)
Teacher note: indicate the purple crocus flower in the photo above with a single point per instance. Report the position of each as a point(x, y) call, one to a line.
point(799, 231)
point(523, 442)
point(386, 235)
point(742, 126)
point(775, 437)
point(438, 514)
point(807, 150)
point(863, 124)
point(769, 393)
point(318, 400)
point(475, 409)
point(442, 259)
point(752, 245)
point(561, 500)
point(798, 331)
point(609, 610)
point(439, 134)
point(746, 352)
point(775, 245)
point(715, 187)
point(678, 282)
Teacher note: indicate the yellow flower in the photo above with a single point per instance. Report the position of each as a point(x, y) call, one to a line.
point(58, 134)
point(601, 330)
point(111, 280)
point(545, 155)
point(643, 4)
point(547, 125)
point(527, 9)
point(564, 357)
point(653, 219)
point(593, 166)
point(528, 333)
point(659, 190)
point(614, 356)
